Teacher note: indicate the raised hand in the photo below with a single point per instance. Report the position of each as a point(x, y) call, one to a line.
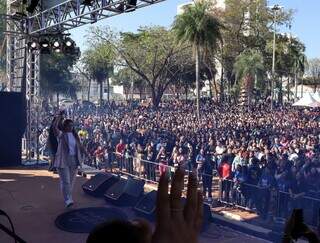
point(175, 222)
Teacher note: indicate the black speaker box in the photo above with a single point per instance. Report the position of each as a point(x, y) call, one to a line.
point(98, 184)
point(12, 127)
point(125, 192)
point(146, 206)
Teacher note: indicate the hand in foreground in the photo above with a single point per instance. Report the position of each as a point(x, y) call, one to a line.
point(176, 223)
point(295, 228)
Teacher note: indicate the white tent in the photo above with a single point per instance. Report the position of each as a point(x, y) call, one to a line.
point(316, 96)
point(307, 101)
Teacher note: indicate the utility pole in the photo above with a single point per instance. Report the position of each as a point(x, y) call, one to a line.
point(274, 9)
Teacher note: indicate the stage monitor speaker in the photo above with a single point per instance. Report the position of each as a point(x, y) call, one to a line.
point(99, 183)
point(146, 206)
point(12, 127)
point(125, 192)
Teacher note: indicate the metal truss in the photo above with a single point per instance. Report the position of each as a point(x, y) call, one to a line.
point(33, 104)
point(72, 13)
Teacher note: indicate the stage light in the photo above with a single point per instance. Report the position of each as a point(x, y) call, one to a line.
point(68, 43)
point(32, 45)
point(56, 45)
point(45, 46)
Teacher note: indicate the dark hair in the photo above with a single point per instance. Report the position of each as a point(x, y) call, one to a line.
point(66, 122)
point(116, 231)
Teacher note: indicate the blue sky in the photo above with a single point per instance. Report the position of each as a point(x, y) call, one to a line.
point(307, 17)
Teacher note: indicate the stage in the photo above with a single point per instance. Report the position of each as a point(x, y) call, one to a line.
point(32, 199)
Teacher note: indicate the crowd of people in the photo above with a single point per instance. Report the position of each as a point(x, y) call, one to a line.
point(250, 149)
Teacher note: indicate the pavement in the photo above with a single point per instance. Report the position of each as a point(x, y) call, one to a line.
point(32, 199)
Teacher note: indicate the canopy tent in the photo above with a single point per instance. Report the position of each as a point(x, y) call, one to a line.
point(307, 101)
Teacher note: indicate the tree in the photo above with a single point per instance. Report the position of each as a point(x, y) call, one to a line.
point(130, 81)
point(289, 60)
point(151, 53)
point(313, 71)
point(248, 25)
point(99, 63)
point(201, 29)
point(249, 66)
point(56, 77)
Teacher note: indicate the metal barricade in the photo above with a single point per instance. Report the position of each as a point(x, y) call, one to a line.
point(310, 205)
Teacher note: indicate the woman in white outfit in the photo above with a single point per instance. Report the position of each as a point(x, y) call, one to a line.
point(67, 157)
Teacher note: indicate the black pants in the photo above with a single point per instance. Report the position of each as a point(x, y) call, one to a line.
point(226, 186)
point(207, 185)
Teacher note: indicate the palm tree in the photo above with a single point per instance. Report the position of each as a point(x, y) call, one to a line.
point(198, 27)
point(248, 68)
point(99, 63)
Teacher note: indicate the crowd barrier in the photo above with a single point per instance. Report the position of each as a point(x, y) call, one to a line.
point(267, 202)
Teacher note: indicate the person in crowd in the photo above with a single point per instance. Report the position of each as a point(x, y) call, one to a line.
point(162, 159)
point(207, 176)
point(266, 183)
point(200, 159)
point(119, 153)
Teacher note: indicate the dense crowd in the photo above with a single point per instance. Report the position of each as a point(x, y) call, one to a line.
point(258, 147)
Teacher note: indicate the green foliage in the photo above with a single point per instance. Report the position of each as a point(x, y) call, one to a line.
point(55, 73)
point(198, 27)
point(289, 55)
point(249, 66)
point(249, 25)
point(151, 54)
point(126, 77)
point(99, 61)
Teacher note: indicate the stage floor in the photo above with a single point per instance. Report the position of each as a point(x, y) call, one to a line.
point(32, 199)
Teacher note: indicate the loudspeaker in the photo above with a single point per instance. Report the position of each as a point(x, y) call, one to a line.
point(125, 192)
point(98, 184)
point(146, 206)
point(12, 127)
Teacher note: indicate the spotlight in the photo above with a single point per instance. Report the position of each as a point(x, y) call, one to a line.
point(56, 46)
point(44, 46)
point(68, 45)
point(33, 45)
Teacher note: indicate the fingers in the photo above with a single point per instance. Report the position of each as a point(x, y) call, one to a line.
point(175, 195)
point(163, 206)
point(192, 199)
point(199, 213)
